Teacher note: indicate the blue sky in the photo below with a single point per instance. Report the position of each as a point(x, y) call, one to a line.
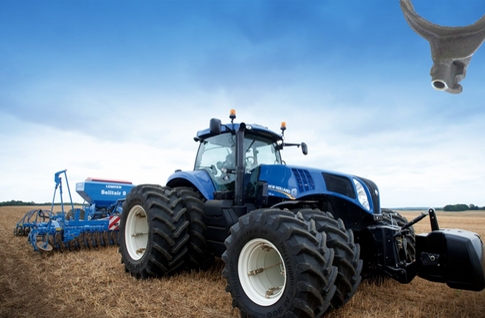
point(118, 89)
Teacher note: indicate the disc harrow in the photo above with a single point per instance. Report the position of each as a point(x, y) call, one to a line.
point(93, 225)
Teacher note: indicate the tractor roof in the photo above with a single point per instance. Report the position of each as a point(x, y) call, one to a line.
point(253, 129)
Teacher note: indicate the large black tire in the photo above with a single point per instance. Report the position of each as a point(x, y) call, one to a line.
point(153, 232)
point(198, 255)
point(277, 265)
point(347, 253)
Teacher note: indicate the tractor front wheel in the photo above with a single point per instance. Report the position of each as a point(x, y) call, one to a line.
point(274, 267)
point(347, 253)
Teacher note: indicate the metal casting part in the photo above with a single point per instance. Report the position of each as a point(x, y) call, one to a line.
point(451, 47)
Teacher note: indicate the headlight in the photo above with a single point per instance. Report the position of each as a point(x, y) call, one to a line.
point(361, 194)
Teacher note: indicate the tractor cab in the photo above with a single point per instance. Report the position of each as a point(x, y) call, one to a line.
point(232, 155)
point(217, 155)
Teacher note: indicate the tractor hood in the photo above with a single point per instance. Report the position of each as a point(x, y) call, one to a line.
point(293, 182)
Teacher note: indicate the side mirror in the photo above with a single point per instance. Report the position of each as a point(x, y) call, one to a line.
point(215, 126)
point(304, 148)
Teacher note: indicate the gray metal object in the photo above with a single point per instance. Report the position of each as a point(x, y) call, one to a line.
point(451, 48)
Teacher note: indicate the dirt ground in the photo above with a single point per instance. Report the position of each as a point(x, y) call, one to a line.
point(93, 283)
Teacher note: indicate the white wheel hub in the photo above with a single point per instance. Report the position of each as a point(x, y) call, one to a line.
point(262, 272)
point(136, 232)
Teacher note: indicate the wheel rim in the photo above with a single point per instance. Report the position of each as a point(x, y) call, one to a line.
point(262, 272)
point(136, 232)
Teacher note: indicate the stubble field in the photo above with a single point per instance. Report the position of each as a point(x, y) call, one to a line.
point(93, 283)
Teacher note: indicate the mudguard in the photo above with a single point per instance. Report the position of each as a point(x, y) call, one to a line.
point(198, 178)
point(451, 256)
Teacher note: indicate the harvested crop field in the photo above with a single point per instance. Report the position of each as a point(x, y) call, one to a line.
point(93, 283)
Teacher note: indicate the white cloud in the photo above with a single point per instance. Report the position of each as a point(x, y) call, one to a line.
point(30, 158)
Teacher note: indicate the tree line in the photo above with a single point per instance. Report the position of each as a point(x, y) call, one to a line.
point(462, 207)
point(22, 203)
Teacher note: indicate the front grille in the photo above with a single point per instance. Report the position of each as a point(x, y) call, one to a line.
point(304, 180)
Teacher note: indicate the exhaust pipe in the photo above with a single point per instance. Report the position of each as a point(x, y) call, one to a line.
point(451, 48)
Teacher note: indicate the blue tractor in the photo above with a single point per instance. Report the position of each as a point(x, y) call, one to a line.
point(295, 241)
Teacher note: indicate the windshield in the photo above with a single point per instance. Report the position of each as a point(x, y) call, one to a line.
point(217, 156)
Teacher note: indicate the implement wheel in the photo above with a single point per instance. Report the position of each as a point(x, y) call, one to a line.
point(274, 267)
point(153, 232)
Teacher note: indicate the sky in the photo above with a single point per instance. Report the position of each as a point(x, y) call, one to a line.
point(118, 89)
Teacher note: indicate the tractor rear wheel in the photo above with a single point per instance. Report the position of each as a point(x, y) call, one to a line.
point(153, 232)
point(274, 266)
point(347, 253)
point(198, 255)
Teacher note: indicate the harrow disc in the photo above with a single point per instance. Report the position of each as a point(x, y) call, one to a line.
point(99, 237)
point(44, 246)
point(92, 240)
point(115, 237)
point(96, 239)
point(79, 241)
point(86, 239)
point(106, 239)
point(52, 241)
point(72, 245)
point(102, 239)
point(59, 241)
